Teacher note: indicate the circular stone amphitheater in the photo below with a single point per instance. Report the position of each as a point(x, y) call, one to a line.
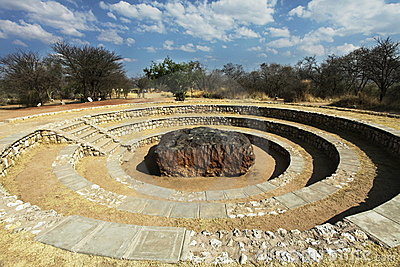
point(83, 186)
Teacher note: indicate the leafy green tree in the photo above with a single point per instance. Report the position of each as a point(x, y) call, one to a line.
point(178, 77)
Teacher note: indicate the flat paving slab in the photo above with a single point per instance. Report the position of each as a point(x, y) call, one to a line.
point(120, 241)
point(378, 227)
point(291, 200)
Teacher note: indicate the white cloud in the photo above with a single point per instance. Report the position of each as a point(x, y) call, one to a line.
point(80, 42)
point(129, 60)
point(125, 20)
point(224, 46)
point(130, 41)
point(137, 11)
point(284, 42)
point(279, 32)
point(111, 15)
point(110, 36)
point(221, 19)
point(158, 27)
point(19, 42)
point(26, 31)
point(313, 49)
point(262, 55)
point(343, 49)
point(169, 45)
point(150, 49)
point(53, 14)
point(255, 48)
point(246, 33)
point(354, 16)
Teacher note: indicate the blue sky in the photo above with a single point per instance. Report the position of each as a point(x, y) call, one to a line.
point(247, 32)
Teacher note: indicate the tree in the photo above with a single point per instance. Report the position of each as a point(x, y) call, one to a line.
point(178, 77)
point(30, 77)
point(94, 71)
point(142, 83)
point(352, 66)
point(382, 63)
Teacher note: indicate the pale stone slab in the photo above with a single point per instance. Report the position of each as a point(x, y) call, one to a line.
point(377, 226)
point(252, 190)
point(212, 210)
point(158, 208)
point(235, 193)
point(112, 240)
point(390, 209)
point(215, 195)
point(153, 190)
point(132, 204)
point(157, 243)
point(309, 195)
point(290, 200)
point(185, 210)
point(266, 186)
point(69, 232)
point(323, 187)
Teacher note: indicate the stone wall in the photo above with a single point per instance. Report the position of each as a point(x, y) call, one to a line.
point(385, 136)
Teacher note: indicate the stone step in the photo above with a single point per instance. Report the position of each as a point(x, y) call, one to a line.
point(81, 129)
point(87, 134)
point(111, 147)
point(96, 138)
point(70, 126)
point(120, 241)
point(104, 142)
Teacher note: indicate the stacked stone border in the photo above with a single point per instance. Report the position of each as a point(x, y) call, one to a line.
point(387, 213)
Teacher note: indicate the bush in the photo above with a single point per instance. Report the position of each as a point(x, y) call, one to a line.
point(180, 95)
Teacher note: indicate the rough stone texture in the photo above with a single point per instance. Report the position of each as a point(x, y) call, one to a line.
point(204, 151)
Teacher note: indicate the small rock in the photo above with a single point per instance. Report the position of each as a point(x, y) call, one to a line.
point(348, 237)
point(263, 245)
point(35, 232)
point(284, 256)
point(325, 230)
point(313, 254)
point(242, 246)
point(230, 243)
point(206, 233)
point(223, 258)
point(215, 243)
point(282, 232)
point(257, 233)
point(243, 259)
point(193, 243)
point(360, 235)
point(263, 257)
point(95, 187)
point(270, 234)
point(281, 244)
point(237, 232)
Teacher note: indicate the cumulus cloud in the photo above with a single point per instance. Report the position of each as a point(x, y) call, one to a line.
point(354, 16)
point(111, 15)
point(137, 11)
point(170, 45)
point(19, 42)
point(53, 14)
point(246, 33)
point(343, 49)
point(26, 31)
point(150, 49)
point(278, 32)
point(128, 59)
point(130, 41)
point(110, 36)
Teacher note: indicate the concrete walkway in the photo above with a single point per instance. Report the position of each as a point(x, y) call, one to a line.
point(120, 241)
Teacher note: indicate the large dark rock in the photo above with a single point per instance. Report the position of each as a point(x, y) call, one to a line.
point(204, 151)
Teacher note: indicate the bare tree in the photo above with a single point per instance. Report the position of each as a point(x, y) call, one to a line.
point(30, 78)
point(382, 63)
point(94, 71)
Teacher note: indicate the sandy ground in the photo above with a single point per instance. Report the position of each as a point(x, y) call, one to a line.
point(36, 184)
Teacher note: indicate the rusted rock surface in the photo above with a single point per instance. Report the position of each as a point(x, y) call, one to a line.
point(204, 151)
